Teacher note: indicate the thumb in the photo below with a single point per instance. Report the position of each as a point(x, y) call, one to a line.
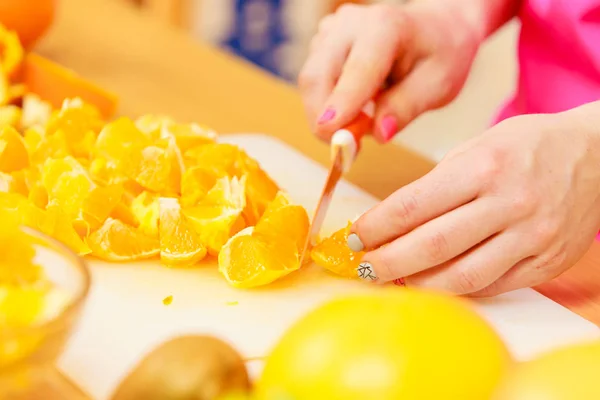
point(424, 88)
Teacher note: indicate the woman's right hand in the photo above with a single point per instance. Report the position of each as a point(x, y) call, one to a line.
point(421, 52)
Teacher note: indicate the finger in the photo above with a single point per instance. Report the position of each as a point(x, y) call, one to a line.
point(445, 188)
point(369, 63)
point(476, 269)
point(439, 240)
point(321, 71)
point(529, 272)
point(424, 88)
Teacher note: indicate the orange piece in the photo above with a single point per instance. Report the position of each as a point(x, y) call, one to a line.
point(11, 51)
point(10, 115)
point(14, 183)
point(282, 219)
point(13, 153)
point(261, 190)
point(16, 252)
point(334, 255)
point(30, 19)
point(218, 216)
point(195, 184)
point(54, 83)
point(117, 241)
point(120, 138)
point(100, 203)
point(220, 158)
point(180, 245)
point(36, 112)
point(248, 260)
point(146, 209)
point(189, 136)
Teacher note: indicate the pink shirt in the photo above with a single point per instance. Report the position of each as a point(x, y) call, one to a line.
point(559, 57)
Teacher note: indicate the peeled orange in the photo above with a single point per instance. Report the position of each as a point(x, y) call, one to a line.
point(13, 153)
point(117, 241)
point(333, 254)
point(180, 244)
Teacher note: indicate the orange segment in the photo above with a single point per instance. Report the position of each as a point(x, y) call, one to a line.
point(118, 139)
point(195, 184)
point(116, 241)
point(261, 189)
point(10, 115)
point(334, 255)
point(12, 51)
point(180, 245)
point(188, 136)
point(100, 203)
point(35, 111)
point(146, 209)
point(13, 153)
point(249, 260)
point(282, 219)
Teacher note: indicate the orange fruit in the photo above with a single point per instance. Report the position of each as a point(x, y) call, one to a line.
point(67, 184)
point(218, 216)
point(180, 245)
point(188, 136)
point(11, 51)
point(119, 139)
point(30, 19)
point(14, 183)
point(10, 115)
point(567, 373)
point(13, 153)
point(117, 241)
point(249, 260)
point(146, 209)
point(261, 190)
point(333, 254)
point(100, 203)
point(195, 184)
point(398, 344)
point(35, 111)
point(220, 158)
point(282, 219)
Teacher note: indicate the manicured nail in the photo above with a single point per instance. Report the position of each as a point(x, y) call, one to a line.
point(366, 272)
point(389, 127)
point(326, 116)
point(400, 282)
point(354, 243)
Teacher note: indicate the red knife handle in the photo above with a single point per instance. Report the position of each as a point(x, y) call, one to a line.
point(348, 139)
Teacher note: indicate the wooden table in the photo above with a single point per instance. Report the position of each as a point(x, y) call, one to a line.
point(156, 69)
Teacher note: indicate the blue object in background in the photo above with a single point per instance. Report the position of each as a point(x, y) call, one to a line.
point(258, 32)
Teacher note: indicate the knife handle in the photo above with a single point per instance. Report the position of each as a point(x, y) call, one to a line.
point(348, 138)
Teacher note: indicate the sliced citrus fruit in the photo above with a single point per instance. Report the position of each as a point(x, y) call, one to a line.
point(12, 51)
point(189, 136)
point(119, 138)
point(249, 260)
point(100, 203)
point(10, 115)
point(221, 158)
point(16, 252)
point(67, 183)
point(13, 153)
point(180, 245)
point(261, 190)
point(13, 183)
point(195, 184)
point(35, 111)
point(333, 254)
point(117, 241)
point(283, 219)
point(146, 209)
point(218, 216)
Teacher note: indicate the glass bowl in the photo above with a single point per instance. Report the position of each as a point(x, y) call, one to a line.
point(26, 352)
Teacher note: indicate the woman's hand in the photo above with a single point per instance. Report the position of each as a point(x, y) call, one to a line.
point(423, 51)
point(512, 208)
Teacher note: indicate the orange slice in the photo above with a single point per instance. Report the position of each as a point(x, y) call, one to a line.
point(119, 139)
point(333, 254)
point(283, 219)
point(195, 184)
point(116, 241)
point(248, 260)
point(261, 190)
point(218, 216)
point(146, 209)
point(100, 203)
point(10, 115)
point(35, 111)
point(180, 245)
point(13, 153)
point(188, 136)
point(12, 51)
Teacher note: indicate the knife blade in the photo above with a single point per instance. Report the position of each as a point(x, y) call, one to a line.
point(345, 144)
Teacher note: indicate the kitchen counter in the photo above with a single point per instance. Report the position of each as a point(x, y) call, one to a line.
point(158, 69)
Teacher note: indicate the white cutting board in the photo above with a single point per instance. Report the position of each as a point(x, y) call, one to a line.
point(125, 317)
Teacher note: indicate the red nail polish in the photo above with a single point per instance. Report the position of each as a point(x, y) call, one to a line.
point(400, 282)
point(389, 127)
point(326, 116)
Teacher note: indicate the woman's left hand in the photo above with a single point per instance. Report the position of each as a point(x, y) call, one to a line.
point(511, 208)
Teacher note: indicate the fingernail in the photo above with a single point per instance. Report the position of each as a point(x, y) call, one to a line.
point(354, 243)
point(366, 272)
point(400, 282)
point(326, 116)
point(389, 127)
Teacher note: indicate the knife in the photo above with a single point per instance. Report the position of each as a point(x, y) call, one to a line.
point(345, 144)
